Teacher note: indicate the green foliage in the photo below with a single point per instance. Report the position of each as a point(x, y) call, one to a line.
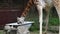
point(53, 21)
point(53, 18)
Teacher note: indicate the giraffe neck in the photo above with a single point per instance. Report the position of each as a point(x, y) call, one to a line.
point(26, 10)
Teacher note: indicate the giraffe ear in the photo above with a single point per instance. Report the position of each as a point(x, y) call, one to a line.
point(17, 17)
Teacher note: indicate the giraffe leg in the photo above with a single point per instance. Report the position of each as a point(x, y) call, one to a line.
point(46, 26)
point(40, 5)
point(58, 11)
point(40, 17)
point(47, 8)
point(57, 6)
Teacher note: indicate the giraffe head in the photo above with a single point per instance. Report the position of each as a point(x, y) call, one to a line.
point(20, 20)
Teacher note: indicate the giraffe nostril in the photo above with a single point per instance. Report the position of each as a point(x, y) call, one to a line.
point(10, 25)
point(19, 22)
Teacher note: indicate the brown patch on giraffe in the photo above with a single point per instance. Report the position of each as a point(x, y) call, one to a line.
point(56, 3)
point(26, 10)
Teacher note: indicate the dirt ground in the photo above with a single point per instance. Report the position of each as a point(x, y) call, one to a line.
point(51, 33)
point(34, 32)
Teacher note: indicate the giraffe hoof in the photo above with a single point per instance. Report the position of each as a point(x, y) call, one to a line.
point(44, 32)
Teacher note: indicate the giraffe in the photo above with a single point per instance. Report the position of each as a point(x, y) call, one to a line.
point(44, 4)
point(47, 7)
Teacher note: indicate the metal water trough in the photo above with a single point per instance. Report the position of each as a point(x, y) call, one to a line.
point(15, 28)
